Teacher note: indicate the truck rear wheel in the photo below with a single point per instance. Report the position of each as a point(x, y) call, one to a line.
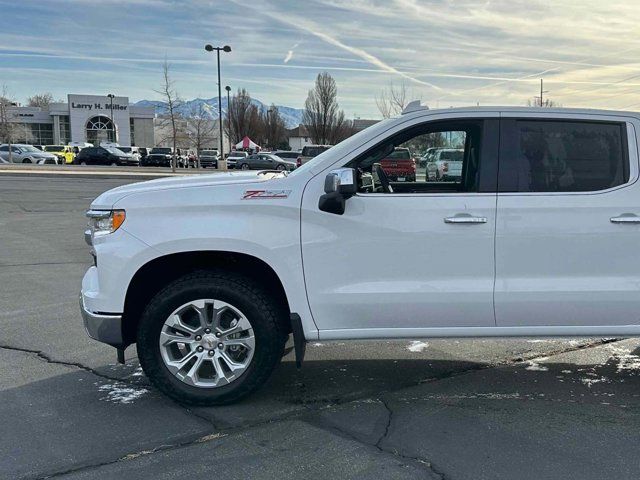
point(211, 338)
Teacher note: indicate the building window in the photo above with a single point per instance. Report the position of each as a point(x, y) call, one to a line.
point(35, 133)
point(100, 129)
point(132, 130)
point(65, 129)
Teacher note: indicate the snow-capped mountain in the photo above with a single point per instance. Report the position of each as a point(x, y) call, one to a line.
point(291, 116)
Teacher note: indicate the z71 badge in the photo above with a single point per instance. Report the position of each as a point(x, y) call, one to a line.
point(260, 194)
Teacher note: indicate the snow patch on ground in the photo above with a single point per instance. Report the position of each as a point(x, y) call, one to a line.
point(627, 361)
point(121, 393)
point(418, 346)
point(590, 381)
point(536, 367)
point(137, 373)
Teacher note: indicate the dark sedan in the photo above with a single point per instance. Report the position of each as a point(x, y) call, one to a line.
point(101, 156)
point(265, 161)
point(157, 157)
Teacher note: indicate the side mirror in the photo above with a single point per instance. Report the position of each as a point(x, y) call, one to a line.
point(342, 181)
point(339, 185)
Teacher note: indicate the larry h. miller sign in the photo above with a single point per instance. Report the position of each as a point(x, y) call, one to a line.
point(91, 117)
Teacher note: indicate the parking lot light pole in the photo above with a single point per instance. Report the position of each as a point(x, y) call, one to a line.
point(228, 89)
point(113, 125)
point(226, 48)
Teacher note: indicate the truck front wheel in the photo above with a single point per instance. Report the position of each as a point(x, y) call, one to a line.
point(211, 338)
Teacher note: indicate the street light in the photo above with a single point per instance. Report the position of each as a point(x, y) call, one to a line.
point(226, 48)
point(228, 89)
point(111, 96)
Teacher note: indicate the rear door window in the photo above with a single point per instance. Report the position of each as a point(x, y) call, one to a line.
point(564, 156)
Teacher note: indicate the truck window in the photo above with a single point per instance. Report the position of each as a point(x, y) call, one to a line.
point(569, 156)
point(404, 159)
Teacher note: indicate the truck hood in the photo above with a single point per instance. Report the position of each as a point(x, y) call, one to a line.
point(110, 197)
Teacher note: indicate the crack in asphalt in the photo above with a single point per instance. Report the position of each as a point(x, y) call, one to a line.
point(308, 409)
point(332, 428)
point(135, 455)
point(396, 452)
point(43, 356)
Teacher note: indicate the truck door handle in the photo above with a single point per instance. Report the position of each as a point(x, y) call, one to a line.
point(465, 218)
point(626, 218)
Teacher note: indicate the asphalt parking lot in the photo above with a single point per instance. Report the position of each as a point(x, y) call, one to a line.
point(440, 409)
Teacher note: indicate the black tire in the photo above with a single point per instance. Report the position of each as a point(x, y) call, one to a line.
point(267, 319)
point(280, 167)
point(244, 166)
point(26, 160)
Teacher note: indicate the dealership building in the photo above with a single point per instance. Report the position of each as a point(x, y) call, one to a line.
point(85, 119)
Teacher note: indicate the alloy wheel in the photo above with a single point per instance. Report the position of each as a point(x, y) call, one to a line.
point(207, 343)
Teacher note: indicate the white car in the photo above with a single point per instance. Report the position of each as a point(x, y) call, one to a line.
point(208, 275)
point(234, 158)
point(23, 153)
point(132, 153)
point(448, 163)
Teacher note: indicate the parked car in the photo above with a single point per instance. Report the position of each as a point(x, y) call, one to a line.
point(209, 275)
point(157, 157)
point(287, 154)
point(265, 161)
point(234, 157)
point(310, 151)
point(448, 162)
point(431, 171)
point(65, 153)
point(101, 156)
point(134, 152)
point(143, 151)
point(209, 158)
point(23, 153)
point(399, 165)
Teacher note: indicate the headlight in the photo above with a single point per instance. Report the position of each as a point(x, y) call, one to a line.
point(103, 222)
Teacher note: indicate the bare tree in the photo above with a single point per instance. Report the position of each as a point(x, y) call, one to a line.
point(9, 129)
point(546, 103)
point(243, 118)
point(393, 99)
point(172, 118)
point(273, 127)
point(322, 117)
point(201, 128)
point(41, 100)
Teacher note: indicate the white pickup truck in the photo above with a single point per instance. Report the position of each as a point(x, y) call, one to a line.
point(209, 275)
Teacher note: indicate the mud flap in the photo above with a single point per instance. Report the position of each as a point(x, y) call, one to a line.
point(299, 342)
point(120, 355)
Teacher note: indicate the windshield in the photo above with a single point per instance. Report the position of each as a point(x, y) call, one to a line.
point(166, 151)
point(114, 151)
point(29, 148)
point(124, 149)
point(452, 155)
point(400, 154)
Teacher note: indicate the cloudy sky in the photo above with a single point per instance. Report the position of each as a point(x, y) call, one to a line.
point(447, 52)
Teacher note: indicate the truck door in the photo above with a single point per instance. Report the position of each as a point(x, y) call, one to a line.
point(568, 223)
point(420, 257)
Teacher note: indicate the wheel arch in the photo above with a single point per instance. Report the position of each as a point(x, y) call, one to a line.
point(158, 272)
